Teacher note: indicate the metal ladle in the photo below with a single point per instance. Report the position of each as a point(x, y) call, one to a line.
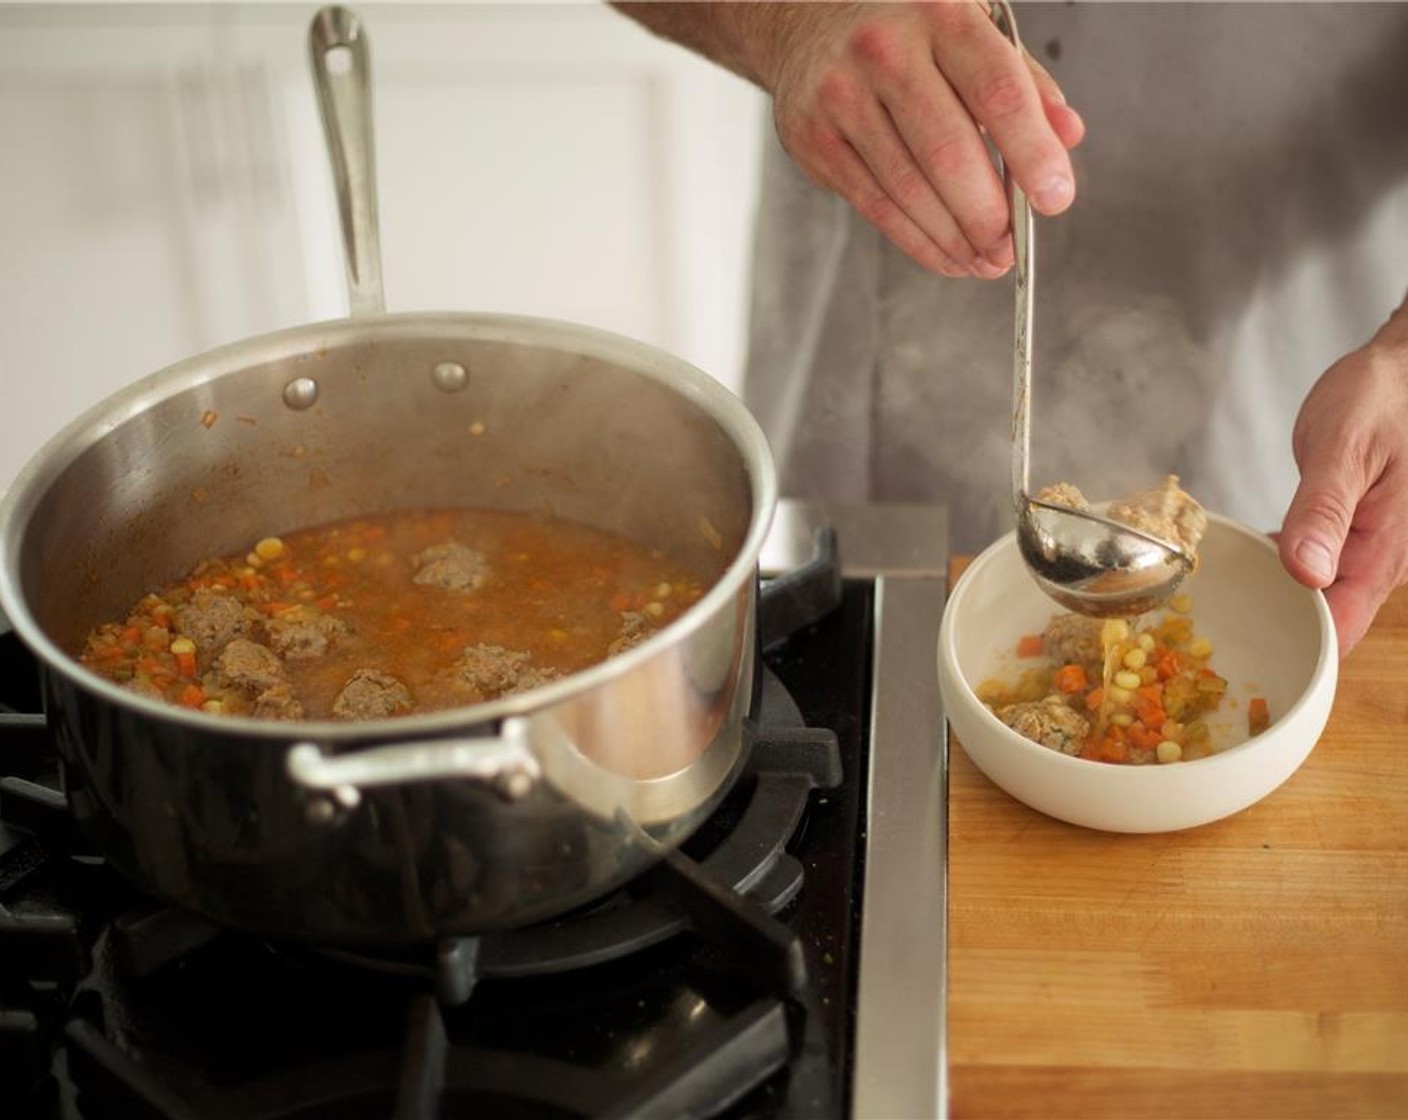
point(1087, 562)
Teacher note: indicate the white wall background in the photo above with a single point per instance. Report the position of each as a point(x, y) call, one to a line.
point(164, 185)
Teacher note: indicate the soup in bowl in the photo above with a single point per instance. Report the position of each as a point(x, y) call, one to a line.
point(1268, 638)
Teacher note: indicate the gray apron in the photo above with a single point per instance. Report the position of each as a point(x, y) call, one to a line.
point(1241, 223)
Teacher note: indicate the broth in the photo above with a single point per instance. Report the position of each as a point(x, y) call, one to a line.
point(392, 615)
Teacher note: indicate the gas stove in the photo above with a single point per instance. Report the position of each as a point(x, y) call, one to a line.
point(788, 961)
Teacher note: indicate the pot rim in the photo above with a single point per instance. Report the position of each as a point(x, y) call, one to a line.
point(57, 454)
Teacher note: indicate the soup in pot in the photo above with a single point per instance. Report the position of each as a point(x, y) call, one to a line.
point(392, 615)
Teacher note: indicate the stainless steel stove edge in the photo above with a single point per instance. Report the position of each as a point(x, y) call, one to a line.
point(901, 1049)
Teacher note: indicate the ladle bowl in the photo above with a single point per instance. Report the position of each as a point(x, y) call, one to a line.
point(1096, 566)
point(1087, 562)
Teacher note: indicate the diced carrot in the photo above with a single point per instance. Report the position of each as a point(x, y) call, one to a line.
point(186, 664)
point(1094, 698)
point(1112, 750)
point(1030, 645)
point(192, 696)
point(1258, 715)
point(1070, 678)
point(1168, 665)
point(1152, 716)
point(1143, 736)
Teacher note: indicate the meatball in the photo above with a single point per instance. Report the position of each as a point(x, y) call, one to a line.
point(304, 632)
point(1074, 639)
point(212, 619)
point(1063, 494)
point(248, 666)
point(1050, 722)
point(491, 671)
point(451, 566)
point(369, 694)
point(635, 628)
point(277, 702)
point(1165, 511)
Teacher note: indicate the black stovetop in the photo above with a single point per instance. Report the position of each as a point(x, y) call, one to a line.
point(720, 983)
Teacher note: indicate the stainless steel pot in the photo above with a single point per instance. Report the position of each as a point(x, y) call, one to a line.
point(395, 831)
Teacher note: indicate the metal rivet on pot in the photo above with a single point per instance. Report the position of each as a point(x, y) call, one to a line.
point(349, 797)
point(320, 810)
point(450, 377)
point(301, 393)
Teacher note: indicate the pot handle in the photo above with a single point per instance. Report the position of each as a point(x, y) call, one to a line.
point(338, 54)
point(504, 763)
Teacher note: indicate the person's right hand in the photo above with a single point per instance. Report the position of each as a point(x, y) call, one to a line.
point(888, 104)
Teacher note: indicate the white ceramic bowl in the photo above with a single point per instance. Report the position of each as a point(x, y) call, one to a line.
point(1271, 637)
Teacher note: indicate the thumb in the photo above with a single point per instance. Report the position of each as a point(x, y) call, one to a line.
point(1317, 522)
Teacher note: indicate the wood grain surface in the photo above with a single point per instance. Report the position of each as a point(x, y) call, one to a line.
point(1253, 967)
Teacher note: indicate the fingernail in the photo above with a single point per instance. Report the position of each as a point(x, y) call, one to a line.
point(987, 270)
point(1318, 559)
point(1055, 193)
point(1000, 255)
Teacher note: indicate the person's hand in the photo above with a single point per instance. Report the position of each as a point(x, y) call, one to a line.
point(1347, 527)
point(888, 105)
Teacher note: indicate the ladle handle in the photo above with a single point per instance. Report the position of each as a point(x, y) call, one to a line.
point(1024, 273)
point(338, 55)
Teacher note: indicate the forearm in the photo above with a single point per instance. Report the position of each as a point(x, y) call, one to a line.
point(741, 37)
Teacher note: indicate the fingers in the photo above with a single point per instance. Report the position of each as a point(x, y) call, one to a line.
point(889, 188)
point(1321, 547)
point(1315, 528)
point(999, 89)
point(888, 105)
point(1064, 120)
point(1346, 529)
point(851, 178)
point(1353, 605)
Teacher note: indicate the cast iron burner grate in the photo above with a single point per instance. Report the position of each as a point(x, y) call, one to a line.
point(695, 992)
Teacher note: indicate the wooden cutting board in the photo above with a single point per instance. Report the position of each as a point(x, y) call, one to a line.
point(1254, 967)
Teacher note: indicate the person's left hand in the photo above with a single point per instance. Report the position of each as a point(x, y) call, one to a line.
point(1347, 527)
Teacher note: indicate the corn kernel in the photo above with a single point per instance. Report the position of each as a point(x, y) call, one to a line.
point(1200, 648)
point(1146, 642)
point(214, 707)
point(1119, 695)
point(1121, 719)
point(253, 560)
point(654, 609)
point(183, 645)
point(663, 591)
point(1181, 603)
point(356, 555)
point(270, 548)
point(1127, 680)
point(1114, 630)
point(1135, 658)
point(1168, 751)
point(1172, 729)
